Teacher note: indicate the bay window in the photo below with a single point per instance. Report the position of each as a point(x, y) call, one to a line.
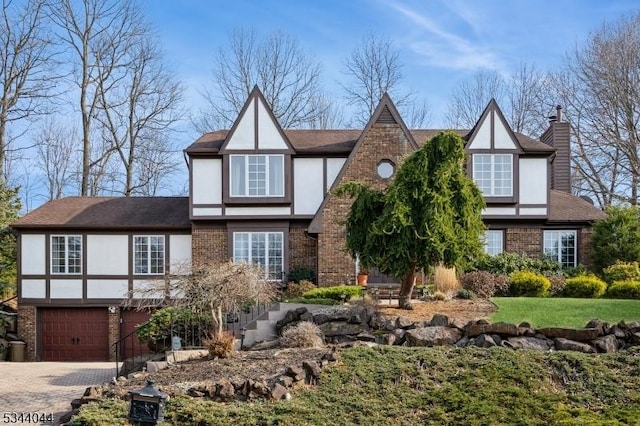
point(256, 175)
point(493, 173)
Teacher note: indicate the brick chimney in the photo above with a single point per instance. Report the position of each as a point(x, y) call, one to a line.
point(558, 136)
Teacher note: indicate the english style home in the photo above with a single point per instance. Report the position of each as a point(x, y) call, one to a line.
point(262, 194)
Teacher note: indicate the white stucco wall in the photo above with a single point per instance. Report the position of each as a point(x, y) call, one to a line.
point(107, 289)
point(207, 181)
point(147, 288)
point(308, 184)
point(499, 211)
point(483, 136)
point(34, 289)
point(108, 254)
point(66, 289)
point(180, 251)
point(501, 140)
point(268, 135)
point(207, 211)
point(257, 211)
point(243, 136)
point(334, 165)
point(32, 254)
point(533, 181)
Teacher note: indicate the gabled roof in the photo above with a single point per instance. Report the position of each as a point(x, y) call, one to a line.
point(110, 213)
point(564, 207)
point(385, 113)
point(338, 141)
point(253, 112)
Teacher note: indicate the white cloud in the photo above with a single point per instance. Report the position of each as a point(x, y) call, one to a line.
point(447, 49)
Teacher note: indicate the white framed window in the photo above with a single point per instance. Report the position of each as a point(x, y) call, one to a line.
point(261, 248)
point(493, 173)
point(561, 247)
point(494, 242)
point(256, 175)
point(148, 254)
point(66, 254)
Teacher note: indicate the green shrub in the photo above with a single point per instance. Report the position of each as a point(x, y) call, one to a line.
point(313, 301)
point(463, 293)
point(335, 293)
point(624, 290)
point(485, 284)
point(157, 331)
point(297, 275)
point(529, 284)
point(297, 289)
point(508, 263)
point(621, 271)
point(585, 286)
point(616, 237)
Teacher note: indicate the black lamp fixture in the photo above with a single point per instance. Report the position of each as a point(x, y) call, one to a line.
point(147, 405)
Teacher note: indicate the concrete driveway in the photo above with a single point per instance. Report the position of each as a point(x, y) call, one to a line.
point(47, 387)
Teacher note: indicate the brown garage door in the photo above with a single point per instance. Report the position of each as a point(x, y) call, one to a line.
point(75, 334)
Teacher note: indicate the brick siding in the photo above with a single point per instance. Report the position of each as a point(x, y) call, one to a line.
point(303, 252)
point(114, 332)
point(382, 141)
point(209, 243)
point(27, 330)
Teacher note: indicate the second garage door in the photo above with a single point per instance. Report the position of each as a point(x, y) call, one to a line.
point(75, 334)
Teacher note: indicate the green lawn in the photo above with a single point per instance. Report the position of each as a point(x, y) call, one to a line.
point(560, 312)
point(439, 386)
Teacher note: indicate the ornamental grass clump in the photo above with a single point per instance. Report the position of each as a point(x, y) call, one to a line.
point(445, 279)
point(305, 334)
point(528, 284)
point(585, 286)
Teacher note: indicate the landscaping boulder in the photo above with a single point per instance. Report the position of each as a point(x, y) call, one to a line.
point(596, 323)
point(433, 336)
point(606, 344)
point(225, 390)
point(484, 341)
point(501, 328)
point(404, 323)
point(279, 392)
point(577, 334)
point(440, 320)
point(562, 344)
point(320, 319)
point(527, 343)
point(340, 328)
point(312, 369)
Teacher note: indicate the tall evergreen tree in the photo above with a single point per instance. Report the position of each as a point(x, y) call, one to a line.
point(10, 206)
point(430, 214)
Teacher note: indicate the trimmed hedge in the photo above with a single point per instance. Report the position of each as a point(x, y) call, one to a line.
point(335, 293)
point(586, 286)
point(528, 284)
point(508, 263)
point(624, 290)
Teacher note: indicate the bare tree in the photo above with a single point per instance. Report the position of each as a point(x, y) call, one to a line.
point(470, 97)
point(26, 61)
point(372, 69)
point(212, 289)
point(55, 148)
point(526, 95)
point(137, 115)
point(99, 34)
point(287, 76)
point(600, 86)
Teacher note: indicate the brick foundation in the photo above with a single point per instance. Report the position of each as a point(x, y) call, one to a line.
point(27, 330)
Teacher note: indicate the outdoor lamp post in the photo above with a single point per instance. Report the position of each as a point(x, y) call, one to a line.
point(147, 405)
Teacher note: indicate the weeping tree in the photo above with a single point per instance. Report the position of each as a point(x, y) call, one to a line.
point(430, 214)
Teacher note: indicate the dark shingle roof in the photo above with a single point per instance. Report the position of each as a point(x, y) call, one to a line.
point(110, 213)
point(341, 141)
point(564, 207)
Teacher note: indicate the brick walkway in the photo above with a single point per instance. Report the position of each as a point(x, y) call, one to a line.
point(48, 387)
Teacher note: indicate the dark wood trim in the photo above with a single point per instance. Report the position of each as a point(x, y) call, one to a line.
point(206, 206)
point(255, 124)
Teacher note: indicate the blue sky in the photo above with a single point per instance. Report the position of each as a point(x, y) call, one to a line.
point(442, 42)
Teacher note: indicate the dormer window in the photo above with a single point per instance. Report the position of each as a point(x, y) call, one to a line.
point(257, 175)
point(493, 173)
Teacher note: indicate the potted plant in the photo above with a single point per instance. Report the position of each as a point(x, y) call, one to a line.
point(363, 275)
